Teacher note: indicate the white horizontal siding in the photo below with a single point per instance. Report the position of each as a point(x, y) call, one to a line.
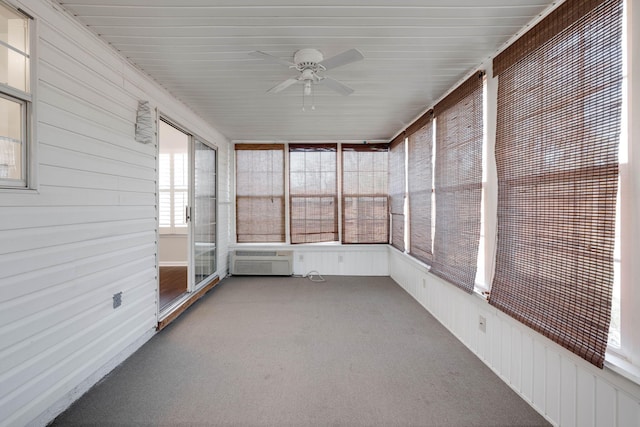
point(567, 390)
point(89, 231)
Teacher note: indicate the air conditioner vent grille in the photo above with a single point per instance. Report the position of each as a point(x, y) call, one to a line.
point(254, 267)
point(261, 263)
point(256, 253)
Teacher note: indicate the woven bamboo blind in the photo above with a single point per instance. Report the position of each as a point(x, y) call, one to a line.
point(559, 110)
point(365, 217)
point(420, 177)
point(397, 191)
point(313, 193)
point(260, 193)
point(458, 184)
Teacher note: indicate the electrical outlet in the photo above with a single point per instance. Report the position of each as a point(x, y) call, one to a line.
point(482, 324)
point(300, 257)
point(340, 258)
point(424, 283)
point(117, 300)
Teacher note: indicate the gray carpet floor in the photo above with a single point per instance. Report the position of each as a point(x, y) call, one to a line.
point(272, 351)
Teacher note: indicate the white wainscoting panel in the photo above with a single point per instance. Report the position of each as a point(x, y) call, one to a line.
point(562, 387)
point(345, 260)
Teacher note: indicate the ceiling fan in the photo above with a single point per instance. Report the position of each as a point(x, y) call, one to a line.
point(309, 63)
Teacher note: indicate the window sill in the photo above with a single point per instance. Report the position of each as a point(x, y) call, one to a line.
point(622, 367)
point(322, 246)
point(308, 245)
point(19, 190)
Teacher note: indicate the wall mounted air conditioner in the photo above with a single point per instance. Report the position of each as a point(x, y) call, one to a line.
point(261, 263)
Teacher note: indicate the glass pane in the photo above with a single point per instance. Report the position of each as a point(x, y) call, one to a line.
point(259, 195)
point(173, 176)
point(14, 62)
point(11, 140)
point(13, 69)
point(204, 215)
point(13, 28)
point(312, 185)
point(180, 171)
point(180, 199)
point(165, 171)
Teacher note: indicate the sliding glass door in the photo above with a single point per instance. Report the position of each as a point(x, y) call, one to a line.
point(187, 211)
point(204, 213)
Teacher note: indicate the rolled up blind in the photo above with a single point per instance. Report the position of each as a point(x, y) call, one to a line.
point(420, 182)
point(313, 193)
point(397, 191)
point(559, 110)
point(365, 216)
point(260, 193)
point(458, 183)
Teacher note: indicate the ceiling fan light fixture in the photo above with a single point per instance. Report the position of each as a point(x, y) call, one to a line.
point(309, 63)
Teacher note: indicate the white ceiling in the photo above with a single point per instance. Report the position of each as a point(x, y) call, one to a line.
point(415, 50)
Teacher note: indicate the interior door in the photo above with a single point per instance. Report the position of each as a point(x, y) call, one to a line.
point(204, 213)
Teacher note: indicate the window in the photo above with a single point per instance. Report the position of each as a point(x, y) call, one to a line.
point(174, 179)
point(15, 98)
point(397, 190)
point(313, 193)
point(365, 215)
point(458, 183)
point(624, 339)
point(558, 130)
point(420, 184)
point(260, 193)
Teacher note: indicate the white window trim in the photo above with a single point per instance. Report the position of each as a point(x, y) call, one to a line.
point(30, 182)
point(626, 359)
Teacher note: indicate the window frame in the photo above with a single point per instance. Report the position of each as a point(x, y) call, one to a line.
point(27, 99)
point(398, 189)
point(627, 356)
point(307, 237)
point(413, 248)
point(283, 199)
point(338, 196)
point(347, 232)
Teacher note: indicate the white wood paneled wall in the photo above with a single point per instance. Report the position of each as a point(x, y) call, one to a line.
point(90, 229)
point(564, 388)
point(345, 260)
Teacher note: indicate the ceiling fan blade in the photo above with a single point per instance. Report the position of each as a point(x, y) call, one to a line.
point(282, 86)
point(271, 58)
point(344, 58)
point(339, 87)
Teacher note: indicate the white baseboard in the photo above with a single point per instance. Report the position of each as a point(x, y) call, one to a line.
point(172, 263)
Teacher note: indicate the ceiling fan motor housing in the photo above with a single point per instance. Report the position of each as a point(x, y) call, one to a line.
point(307, 58)
point(310, 63)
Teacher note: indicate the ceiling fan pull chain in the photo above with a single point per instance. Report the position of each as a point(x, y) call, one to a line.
point(303, 109)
